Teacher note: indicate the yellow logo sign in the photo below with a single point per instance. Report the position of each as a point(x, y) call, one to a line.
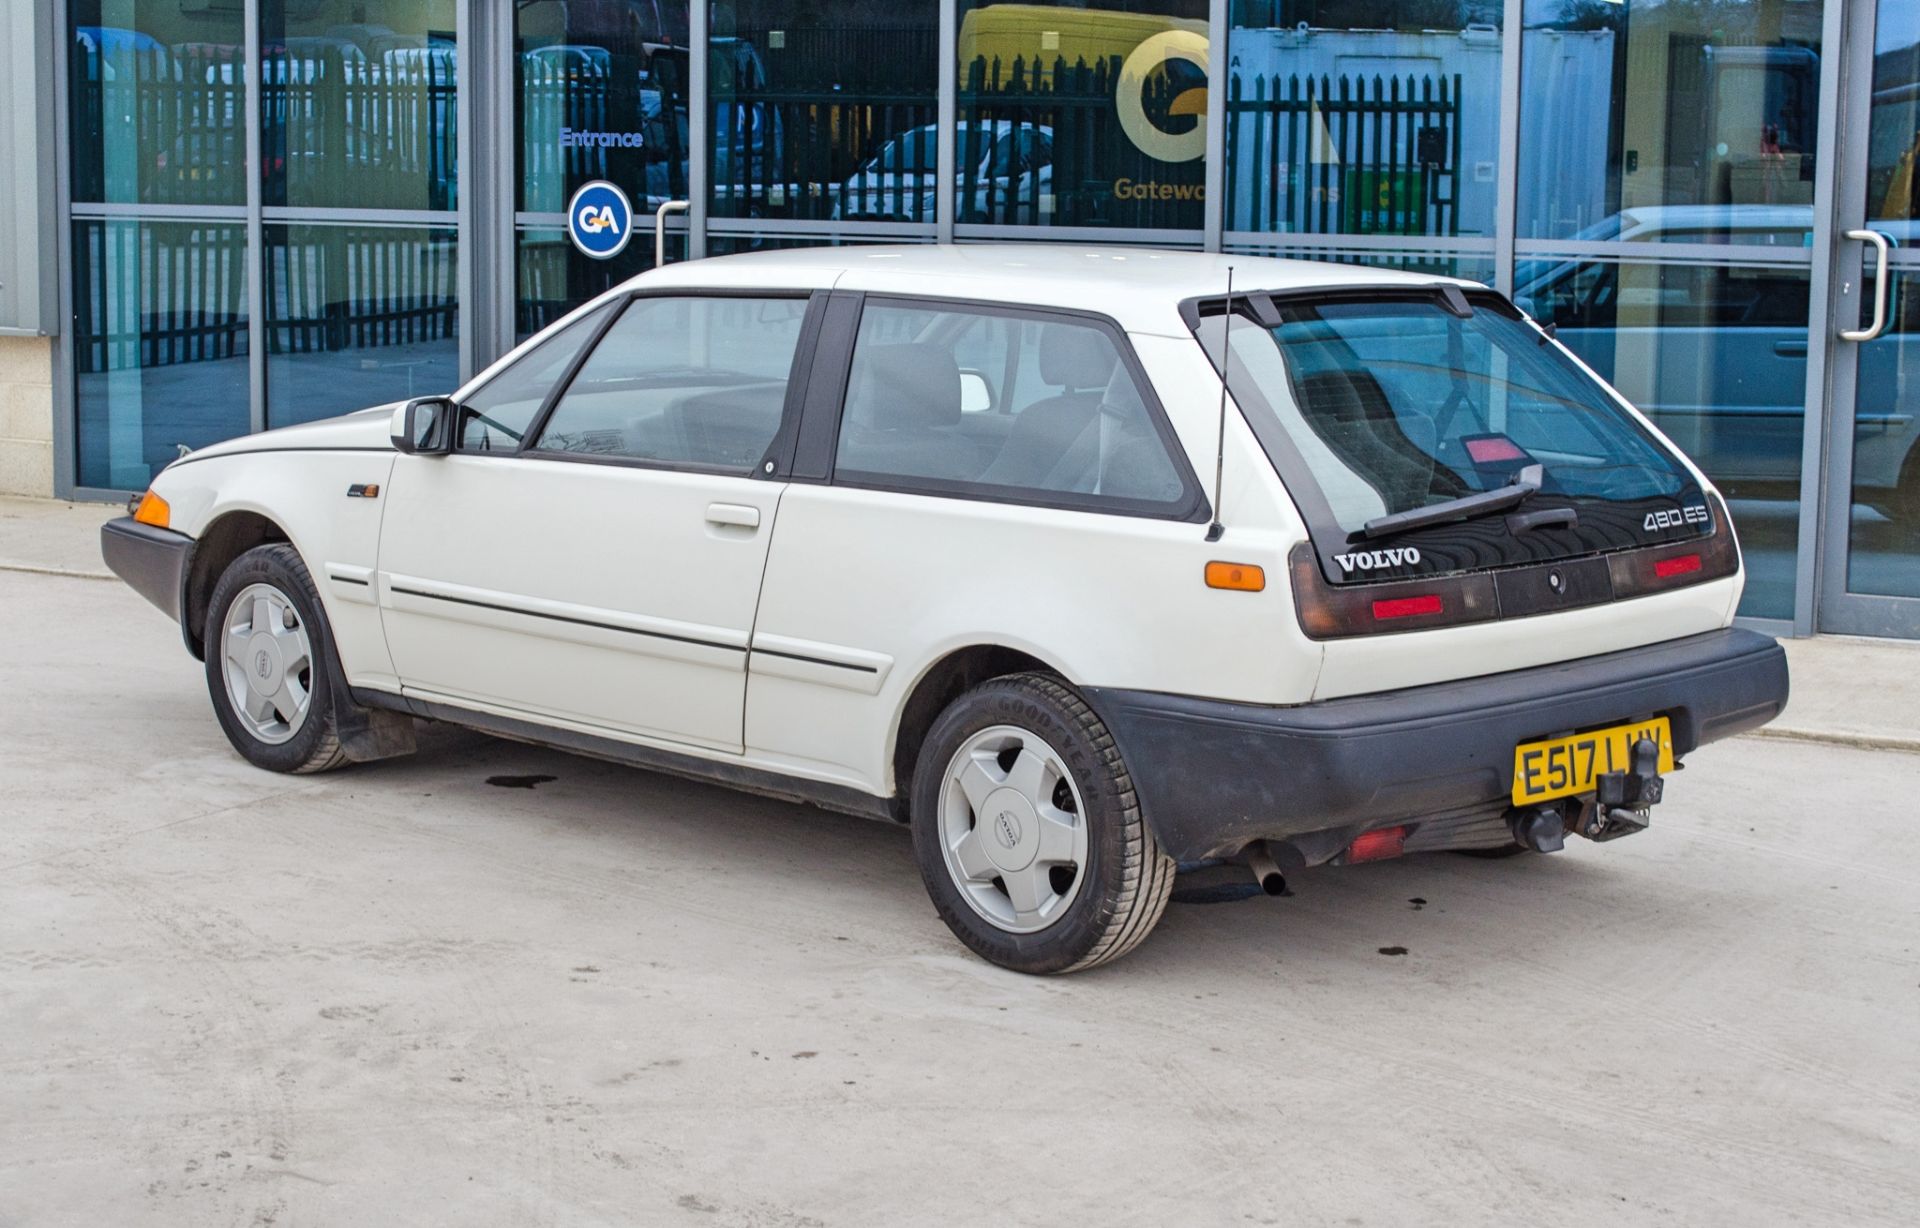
point(1150, 56)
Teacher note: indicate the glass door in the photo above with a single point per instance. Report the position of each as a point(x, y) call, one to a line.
point(1870, 567)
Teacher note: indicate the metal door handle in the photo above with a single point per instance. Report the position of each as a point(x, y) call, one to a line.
point(660, 229)
point(1879, 325)
point(739, 515)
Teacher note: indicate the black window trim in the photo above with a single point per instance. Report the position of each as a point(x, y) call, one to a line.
point(821, 427)
point(613, 305)
point(779, 451)
point(1323, 529)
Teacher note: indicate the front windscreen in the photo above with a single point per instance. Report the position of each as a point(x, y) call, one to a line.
point(1400, 402)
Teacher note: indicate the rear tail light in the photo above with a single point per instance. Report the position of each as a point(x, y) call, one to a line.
point(1678, 565)
point(1329, 613)
point(1409, 607)
point(1378, 845)
point(1334, 612)
point(1637, 573)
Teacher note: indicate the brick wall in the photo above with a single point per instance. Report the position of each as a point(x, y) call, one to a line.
point(26, 416)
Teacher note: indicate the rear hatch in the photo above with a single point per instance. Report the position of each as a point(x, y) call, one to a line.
point(1475, 500)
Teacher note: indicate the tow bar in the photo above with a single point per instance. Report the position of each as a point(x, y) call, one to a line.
point(1621, 799)
point(1620, 805)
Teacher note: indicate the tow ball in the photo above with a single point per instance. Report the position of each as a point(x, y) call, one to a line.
point(1621, 800)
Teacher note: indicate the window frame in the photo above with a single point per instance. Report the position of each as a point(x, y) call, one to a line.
point(820, 431)
point(776, 461)
point(532, 346)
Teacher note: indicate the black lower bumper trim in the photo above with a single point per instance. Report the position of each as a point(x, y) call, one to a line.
point(1214, 776)
point(152, 561)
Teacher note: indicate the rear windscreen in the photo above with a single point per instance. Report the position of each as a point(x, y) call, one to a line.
point(1395, 404)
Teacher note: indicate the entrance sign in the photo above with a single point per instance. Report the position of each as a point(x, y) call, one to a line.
point(600, 220)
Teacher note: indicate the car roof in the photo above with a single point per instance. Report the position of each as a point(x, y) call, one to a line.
point(1140, 288)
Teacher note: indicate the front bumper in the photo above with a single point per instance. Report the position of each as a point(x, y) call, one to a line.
point(151, 560)
point(1214, 776)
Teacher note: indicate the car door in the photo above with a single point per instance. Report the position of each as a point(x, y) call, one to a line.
point(599, 564)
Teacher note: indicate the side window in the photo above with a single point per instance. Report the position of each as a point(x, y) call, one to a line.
point(497, 415)
point(1070, 423)
point(683, 381)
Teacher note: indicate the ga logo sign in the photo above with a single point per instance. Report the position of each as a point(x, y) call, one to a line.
point(600, 220)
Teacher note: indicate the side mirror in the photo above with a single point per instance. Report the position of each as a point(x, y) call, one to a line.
point(976, 396)
point(424, 426)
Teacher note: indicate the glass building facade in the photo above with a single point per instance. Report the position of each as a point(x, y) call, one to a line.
point(277, 210)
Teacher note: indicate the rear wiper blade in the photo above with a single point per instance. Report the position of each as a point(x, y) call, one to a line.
point(1525, 485)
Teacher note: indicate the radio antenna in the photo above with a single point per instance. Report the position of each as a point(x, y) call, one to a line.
point(1216, 529)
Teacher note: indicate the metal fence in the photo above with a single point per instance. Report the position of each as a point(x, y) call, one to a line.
point(1344, 155)
point(335, 288)
point(163, 124)
point(342, 131)
point(158, 293)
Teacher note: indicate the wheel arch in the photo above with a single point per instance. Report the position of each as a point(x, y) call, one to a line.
point(943, 681)
point(226, 538)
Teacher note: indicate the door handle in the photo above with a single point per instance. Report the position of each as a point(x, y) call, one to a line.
point(1879, 325)
point(739, 515)
point(660, 229)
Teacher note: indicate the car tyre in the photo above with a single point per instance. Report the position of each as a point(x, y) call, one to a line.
point(269, 659)
point(1029, 833)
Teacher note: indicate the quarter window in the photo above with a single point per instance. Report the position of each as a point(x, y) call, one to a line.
point(700, 382)
point(1002, 404)
point(496, 417)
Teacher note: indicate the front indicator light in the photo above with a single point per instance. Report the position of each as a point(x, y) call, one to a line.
point(1240, 577)
point(153, 510)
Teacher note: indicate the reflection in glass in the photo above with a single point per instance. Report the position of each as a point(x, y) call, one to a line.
point(1082, 116)
point(601, 92)
point(554, 277)
point(1362, 117)
point(1717, 357)
point(356, 316)
point(1893, 123)
point(159, 339)
point(356, 113)
point(824, 108)
point(1883, 545)
point(158, 100)
point(1632, 107)
point(1438, 264)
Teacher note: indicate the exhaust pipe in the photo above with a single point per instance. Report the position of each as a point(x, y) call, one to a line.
point(1265, 871)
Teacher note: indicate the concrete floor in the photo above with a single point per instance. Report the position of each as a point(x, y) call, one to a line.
point(399, 994)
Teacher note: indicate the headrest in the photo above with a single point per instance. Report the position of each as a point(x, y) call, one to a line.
point(1075, 356)
point(914, 384)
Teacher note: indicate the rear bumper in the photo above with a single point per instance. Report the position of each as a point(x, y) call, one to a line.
point(1214, 776)
point(152, 561)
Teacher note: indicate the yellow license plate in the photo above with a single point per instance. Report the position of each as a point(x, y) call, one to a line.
point(1563, 767)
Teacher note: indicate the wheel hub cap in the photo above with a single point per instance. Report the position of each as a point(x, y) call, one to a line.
point(1012, 829)
point(267, 663)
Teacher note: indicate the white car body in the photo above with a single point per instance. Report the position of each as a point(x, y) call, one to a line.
point(780, 630)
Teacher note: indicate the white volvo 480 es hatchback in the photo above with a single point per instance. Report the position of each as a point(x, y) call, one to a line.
point(978, 539)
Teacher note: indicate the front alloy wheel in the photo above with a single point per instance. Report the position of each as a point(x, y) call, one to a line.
point(268, 653)
point(267, 663)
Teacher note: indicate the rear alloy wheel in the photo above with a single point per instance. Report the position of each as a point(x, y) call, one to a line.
point(267, 644)
point(1028, 832)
